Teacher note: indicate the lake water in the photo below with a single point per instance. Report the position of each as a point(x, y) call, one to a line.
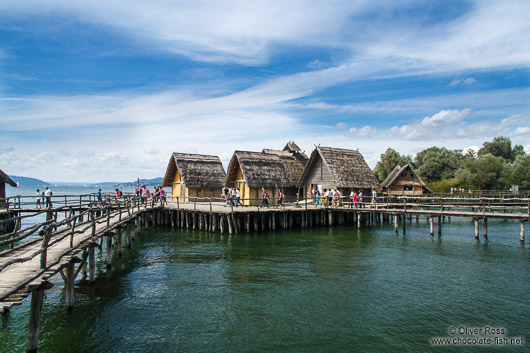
point(310, 290)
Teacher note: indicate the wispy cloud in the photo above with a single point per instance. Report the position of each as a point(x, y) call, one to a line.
point(465, 81)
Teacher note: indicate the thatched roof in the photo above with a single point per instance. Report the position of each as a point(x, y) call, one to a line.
point(197, 170)
point(6, 179)
point(348, 167)
point(259, 169)
point(294, 164)
point(399, 170)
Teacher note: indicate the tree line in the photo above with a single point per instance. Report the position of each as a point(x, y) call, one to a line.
point(496, 166)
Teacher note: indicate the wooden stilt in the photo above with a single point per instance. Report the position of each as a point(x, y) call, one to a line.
point(476, 227)
point(37, 296)
point(439, 225)
point(70, 279)
point(91, 264)
point(119, 238)
point(485, 234)
point(431, 223)
point(396, 225)
point(109, 251)
point(522, 231)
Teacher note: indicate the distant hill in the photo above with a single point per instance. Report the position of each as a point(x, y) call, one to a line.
point(146, 182)
point(24, 181)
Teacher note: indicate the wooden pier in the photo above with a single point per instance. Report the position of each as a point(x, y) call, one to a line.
point(33, 255)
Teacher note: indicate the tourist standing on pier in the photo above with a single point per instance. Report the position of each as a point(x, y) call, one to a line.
point(38, 196)
point(238, 197)
point(361, 199)
point(145, 193)
point(374, 197)
point(99, 195)
point(48, 195)
point(265, 196)
point(280, 199)
point(162, 196)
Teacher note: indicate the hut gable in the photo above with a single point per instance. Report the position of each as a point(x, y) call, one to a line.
point(4, 178)
point(346, 168)
point(259, 169)
point(405, 173)
point(294, 165)
point(197, 170)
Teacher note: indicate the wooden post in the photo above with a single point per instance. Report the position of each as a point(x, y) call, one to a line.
point(404, 224)
point(109, 250)
point(37, 296)
point(485, 234)
point(118, 234)
point(128, 235)
point(230, 225)
point(396, 220)
point(359, 220)
point(330, 218)
point(44, 247)
point(221, 224)
point(476, 227)
point(522, 231)
point(91, 264)
point(439, 225)
point(70, 279)
point(431, 223)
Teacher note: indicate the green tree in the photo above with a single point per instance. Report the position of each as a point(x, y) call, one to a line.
point(389, 160)
point(434, 163)
point(484, 173)
point(500, 147)
point(520, 172)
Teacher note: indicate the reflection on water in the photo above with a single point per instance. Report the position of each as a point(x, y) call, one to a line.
point(323, 290)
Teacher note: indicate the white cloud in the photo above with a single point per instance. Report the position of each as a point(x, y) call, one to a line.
point(465, 81)
point(366, 131)
point(522, 131)
point(431, 126)
point(342, 125)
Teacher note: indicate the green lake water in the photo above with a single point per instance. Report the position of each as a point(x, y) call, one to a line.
point(312, 290)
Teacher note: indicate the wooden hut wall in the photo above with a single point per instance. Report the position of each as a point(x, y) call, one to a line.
point(178, 189)
point(2, 191)
point(319, 175)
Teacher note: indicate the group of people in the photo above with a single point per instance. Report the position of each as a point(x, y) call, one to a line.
point(44, 197)
point(265, 198)
point(158, 194)
point(333, 198)
point(232, 196)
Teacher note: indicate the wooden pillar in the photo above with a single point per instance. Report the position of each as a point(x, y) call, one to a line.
point(522, 231)
point(256, 218)
point(485, 234)
point(146, 220)
point(273, 221)
point(431, 223)
point(128, 234)
point(221, 224)
point(396, 224)
point(230, 224)
point(119, 238)
point(214, 222)
point(330, 218)
point(91, 264)
point(247, 223)
point(37, 296)
point(109, 250)
point(476, 227)
point(137, 224)
point(404, 224)
point(70, 279)
point(359, 220)
point(439, 225)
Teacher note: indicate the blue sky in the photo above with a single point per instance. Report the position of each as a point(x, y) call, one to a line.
point(107, 90)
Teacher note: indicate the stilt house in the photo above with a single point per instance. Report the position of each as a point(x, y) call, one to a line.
point(330, 168)
point(194, 176)
point(404, 181)
point(252, 171)
point(4, 179)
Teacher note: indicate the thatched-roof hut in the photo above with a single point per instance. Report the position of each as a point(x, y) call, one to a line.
point(330, 168)
point(405, 181)
point(252, 171)
point(194, 176)
point(5, 179)
point(294, 162)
